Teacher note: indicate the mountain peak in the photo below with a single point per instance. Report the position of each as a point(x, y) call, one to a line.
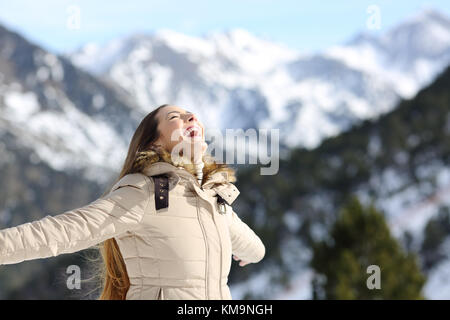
point(428, 18)
point(428, 15)
point(165, 33)
point(236, 37)
point(240, 34)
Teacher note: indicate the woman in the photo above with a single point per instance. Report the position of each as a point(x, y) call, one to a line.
point(166, 228)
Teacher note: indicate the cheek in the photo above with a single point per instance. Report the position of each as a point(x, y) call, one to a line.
point(171, 129)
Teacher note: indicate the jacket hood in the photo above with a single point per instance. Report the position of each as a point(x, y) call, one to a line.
point(157, 161)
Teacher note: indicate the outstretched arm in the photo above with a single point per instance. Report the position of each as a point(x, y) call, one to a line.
point(117, 212)
point(246, 245)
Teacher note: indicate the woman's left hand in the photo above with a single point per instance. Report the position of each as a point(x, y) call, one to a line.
point(241, 263)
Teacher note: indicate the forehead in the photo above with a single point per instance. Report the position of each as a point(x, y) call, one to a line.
point(166, 110)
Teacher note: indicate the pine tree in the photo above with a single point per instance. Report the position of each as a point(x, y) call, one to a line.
point(358, 239)
point(436, 232)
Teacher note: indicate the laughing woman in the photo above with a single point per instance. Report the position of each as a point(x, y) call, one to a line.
point(166, 228)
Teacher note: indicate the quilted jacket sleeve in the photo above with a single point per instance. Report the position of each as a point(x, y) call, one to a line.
point(113, 214)
point(246, 245)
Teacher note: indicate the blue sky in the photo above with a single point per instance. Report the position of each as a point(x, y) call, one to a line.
point(307, 26)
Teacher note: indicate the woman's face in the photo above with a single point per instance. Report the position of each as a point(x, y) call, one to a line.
point(177, 125)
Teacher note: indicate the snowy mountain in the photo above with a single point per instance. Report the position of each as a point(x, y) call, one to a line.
point(64, 131)
point(70, 119)
point(398, 162)
point(408, 56)
point(308, 97)
point(217, 76)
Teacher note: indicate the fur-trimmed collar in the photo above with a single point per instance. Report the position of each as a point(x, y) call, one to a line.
point(146, 158)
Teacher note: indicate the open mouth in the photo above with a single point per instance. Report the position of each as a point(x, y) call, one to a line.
point(193, 131)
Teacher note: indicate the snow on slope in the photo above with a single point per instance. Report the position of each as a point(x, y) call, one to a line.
point(208, 75)
point(407, 205)
point(68, 118)
point(308, 97)
point(64, 139)
point(409, 56)
point(224, 75)
point(438, 282)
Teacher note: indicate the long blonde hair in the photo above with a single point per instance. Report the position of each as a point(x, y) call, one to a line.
point(115, 281)
point(113, 272)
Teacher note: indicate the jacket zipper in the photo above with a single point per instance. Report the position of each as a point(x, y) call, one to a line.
point(221, 250)
point(206, 244)
point(206, 247)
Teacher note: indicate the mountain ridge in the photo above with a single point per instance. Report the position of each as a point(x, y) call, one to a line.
point(314, 95)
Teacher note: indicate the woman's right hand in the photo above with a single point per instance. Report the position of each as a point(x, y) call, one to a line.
point(242, 263)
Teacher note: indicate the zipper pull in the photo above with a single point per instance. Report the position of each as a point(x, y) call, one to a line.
point(221, 202)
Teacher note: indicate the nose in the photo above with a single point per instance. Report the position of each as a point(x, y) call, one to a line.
point(192, 117)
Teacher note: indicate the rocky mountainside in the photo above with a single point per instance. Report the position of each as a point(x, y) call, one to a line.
point(63, 134)
point(308, 97)
point(399, 162)
point(65, 116)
